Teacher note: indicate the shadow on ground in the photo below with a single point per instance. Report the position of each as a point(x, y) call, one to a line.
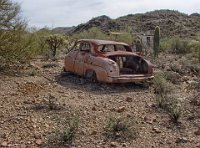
point(70, 80)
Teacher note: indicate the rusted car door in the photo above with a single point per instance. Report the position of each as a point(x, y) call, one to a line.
point(81, 57)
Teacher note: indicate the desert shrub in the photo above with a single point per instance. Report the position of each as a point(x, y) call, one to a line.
point(171, 105)
point(93, 33)
point(124, 37)
point(161, 85)
point(175, 45)
point(67, 133)
point(53, 103)
point(17, 45)
point(33, 72)
point(54, 42)
point(195, 47)
point(165, 102)
point(175, 113)
point(119, 128)
point(196, 100)
point(125, 34)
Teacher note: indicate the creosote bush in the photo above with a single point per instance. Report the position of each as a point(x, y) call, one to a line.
point(164, 98)
point(161, 85)
point(171, 105)
point(119, 128)
point(67, 133)
point(175, 45)
point(16, 44)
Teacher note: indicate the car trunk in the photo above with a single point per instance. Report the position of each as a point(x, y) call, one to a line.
point(130, 65)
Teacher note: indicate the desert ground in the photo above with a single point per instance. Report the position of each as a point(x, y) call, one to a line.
point(38, 102)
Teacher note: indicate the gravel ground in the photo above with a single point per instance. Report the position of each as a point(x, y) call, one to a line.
point(37, 104)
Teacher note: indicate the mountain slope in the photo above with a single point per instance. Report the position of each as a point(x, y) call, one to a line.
point(171, 23)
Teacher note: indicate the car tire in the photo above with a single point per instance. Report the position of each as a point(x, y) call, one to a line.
point(90, 75)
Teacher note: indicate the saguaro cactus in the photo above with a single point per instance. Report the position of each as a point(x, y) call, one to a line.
point(156, 42)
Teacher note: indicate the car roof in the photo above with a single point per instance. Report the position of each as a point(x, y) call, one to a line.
point(102, 42)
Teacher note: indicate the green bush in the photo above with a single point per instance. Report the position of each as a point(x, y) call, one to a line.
point(93, 33)
point(54, 42)
point(161, 85)
point(175, 113)
point(195, 47)
point(171, 105)
point(124, 35)
point(175, 45)
point(119, 128)
point(66, 134)
point(17, 45)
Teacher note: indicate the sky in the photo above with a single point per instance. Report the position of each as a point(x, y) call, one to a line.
point(66, 13)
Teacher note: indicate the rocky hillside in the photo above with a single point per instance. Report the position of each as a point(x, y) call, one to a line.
point(171, 23)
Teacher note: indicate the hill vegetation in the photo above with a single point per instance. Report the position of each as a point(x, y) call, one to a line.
point(171, 23)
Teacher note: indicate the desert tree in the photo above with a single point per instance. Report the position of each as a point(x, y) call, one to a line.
point(54, 42)
point(15, 41)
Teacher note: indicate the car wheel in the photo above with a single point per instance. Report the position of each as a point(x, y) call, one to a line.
point(90, 75)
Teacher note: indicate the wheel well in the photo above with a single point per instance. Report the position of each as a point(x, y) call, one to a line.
point(90, 73)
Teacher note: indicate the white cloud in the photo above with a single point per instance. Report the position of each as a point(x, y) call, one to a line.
point(73, 12)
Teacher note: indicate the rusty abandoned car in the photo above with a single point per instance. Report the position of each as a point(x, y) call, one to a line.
point(107, 61)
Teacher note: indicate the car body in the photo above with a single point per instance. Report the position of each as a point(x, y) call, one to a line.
point(107, 61)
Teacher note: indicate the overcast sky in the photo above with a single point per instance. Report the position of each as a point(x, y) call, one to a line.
point(63, 13)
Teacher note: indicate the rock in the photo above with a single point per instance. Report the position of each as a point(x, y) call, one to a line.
point(121, 109)
point(124, 145)
point(4, 144)
point(193, 84)
point(156, 130)
point(94, 133)
point(129, 99)
point(38, 141)
point(197, 132)
point(3, 135)
point(182, 140)
point(148, 120)
point(94, 108)
point(185, 78)
point(113, 144)
point(167, 68)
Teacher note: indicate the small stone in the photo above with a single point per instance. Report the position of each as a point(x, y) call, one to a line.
point(3, 135)
point(121, 109)
point(128, 115)
point(94, 133)
point(4, 144)
point(185, 78)
point(38, 141)
point(129, 99)
point(182, 140)
point(156, 130)
point(94, 108)
point(197, 132)
point(113, 144)
point(124, 145)
point(37, 136)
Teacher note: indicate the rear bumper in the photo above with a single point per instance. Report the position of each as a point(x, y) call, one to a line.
point(129, 79)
